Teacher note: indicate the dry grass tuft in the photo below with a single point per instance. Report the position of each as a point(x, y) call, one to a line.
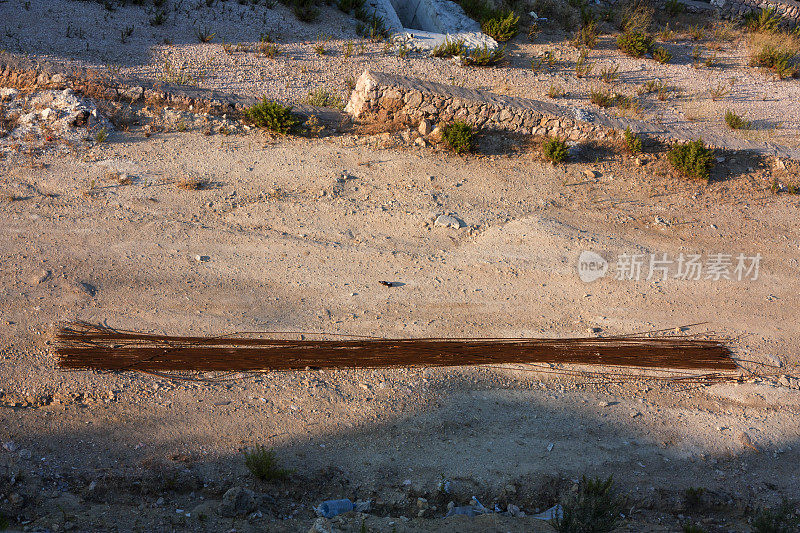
point(193, 184)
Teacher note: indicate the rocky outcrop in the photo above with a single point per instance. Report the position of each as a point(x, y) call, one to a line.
point(788, 9)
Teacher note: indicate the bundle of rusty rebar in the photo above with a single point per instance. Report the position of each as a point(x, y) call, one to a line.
point(87, 346)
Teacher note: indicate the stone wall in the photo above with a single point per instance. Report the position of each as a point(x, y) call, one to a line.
point(788, 9)
point(387, 97)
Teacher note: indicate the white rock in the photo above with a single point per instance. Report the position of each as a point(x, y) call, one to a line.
point(448, 222)
point(8, 93)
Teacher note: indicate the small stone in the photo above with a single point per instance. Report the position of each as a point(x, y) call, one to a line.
point(237, 501)
point(321, 525)
point(425, 127)
point(593, 330)
point(202, 258)
point(8, 93)
point(779, 164)
point(10, 446)
point(419, 141)
point(448, 222)
point(591, 174)
point(25, 454)
point(603, 404)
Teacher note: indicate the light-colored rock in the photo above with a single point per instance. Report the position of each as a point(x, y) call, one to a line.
point(448, 221)
point(237, 501)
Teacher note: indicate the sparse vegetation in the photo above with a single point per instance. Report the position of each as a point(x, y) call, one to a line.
point(272, 116)
point(101, 136)
point(782, 62)
point(636, 17)
point(781, 519)
point(662, 55)
point(204, 35)
point(483, 57)
point(735, 122)
point(556, 91)
point(324, 98)
point(632, 141)
point(371, 26)
point(268, 49)
point(319, 49)
point(634, 43)
point(262, 463)
point(595, 508)
point(587, 35)
point(692, 159)
point(583, 67)
point(459, 136)
point(600, 97)
point(767, 20)
point(674, 8)
point(450, 48)
point(720, 91)
point(501, 28)
point(610, 74)
point(555, 150)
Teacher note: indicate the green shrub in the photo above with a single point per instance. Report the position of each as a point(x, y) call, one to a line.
point(634, 43)
point(459, 136)
point(450, 48)
point(271, 115)
point(483, 57)
point(780, 62)
point(305, 10)
point(555, 150)
point(479, 10)
point(583, 67)
point(372, 26)
point(595, 508)
point(735, 122)
point(632, 141)
point(767, 20)
point(501, 28)
point(262, 463)
point(662, 55)
point(692, 159)
point(782, 519)
point(610, 74)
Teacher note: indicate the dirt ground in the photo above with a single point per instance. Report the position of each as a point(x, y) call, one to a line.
point(298, 233)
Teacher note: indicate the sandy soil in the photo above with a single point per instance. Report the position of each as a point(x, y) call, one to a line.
point(85, 33)
point(299, 232)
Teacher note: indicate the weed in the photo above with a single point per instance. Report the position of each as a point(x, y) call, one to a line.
point(696, 56)
point(372, 27)
point(664, 92)
point(347, 49)
point(459, 136)
point(305, 10)
point(159, 18)
point(780, 61)
point(483, 57)
point(272, 116)
point(501, 28)
point(449, 48)
point(582, 66)
point(204, 35)
point(319, 48)
point(719, 92)
point(182, 126)
point(662, 55)
point(692, 159)
point(350, 83)
point(268, 49)
point(735, 122)
point(403, 51)
point(533, 31)
point(348, 6)
point(674, 8)
point(781, 519)
point(767, 20)
point(632, 141)
point(587, 35)
point(323, 98)
point(609, 74)
point(556, 91)
point(628, 103)
point(696, 33)
point(634, 43)
point(601, 98)
point(711, 60)
point(101, 136)
point(636, 16)
point(262, 463)
point(595, 508)
point(555, 150)
point(124, 34)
